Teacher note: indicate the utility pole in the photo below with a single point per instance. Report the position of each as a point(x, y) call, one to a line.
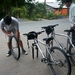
point(45, 2)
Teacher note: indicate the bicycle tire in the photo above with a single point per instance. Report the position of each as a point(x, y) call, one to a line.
point(72, 54)
point(15, 49)
point(61, 64)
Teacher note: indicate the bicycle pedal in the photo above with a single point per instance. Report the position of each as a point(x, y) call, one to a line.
point(44, 60)
point(68, 55)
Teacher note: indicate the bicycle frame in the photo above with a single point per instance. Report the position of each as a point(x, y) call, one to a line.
point(39, 48)
point(36, 41)
point(53, 34)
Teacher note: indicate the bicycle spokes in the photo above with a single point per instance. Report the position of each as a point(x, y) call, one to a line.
point(59, 62)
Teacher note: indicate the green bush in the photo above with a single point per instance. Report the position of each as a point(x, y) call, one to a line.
point(51, 15)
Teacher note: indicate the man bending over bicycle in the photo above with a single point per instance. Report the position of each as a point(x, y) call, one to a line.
point(10, 25)
point(71, 7)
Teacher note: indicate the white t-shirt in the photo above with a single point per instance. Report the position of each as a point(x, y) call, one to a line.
point(12, 27)
point(72, 14)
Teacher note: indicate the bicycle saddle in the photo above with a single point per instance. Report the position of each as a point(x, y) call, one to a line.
point(32, 35)
point(48, 39)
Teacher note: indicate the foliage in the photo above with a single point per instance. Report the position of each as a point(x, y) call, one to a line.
point(25, 9)
point(51, 15)
point(30, 8)
point(15, 11)
point(6, 6)
point(39, 11)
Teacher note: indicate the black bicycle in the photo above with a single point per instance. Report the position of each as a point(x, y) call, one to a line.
point(15, 49)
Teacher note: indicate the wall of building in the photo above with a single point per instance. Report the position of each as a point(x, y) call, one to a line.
point(63, 11)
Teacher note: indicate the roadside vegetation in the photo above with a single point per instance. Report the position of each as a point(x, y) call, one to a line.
point(26, 9)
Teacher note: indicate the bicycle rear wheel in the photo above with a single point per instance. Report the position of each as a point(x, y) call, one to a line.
point(15, 49)
point(72, 54)
point(59, 62)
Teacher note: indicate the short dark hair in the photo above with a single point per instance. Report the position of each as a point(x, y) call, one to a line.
point(66, 1)
point(7, 19)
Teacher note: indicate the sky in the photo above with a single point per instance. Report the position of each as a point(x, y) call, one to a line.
point(46, 0)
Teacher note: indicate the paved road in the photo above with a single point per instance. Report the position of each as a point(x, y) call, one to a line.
point(26, 65)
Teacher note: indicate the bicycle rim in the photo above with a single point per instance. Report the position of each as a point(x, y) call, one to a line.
point(72, 54)
point(59, 62)
point(15, 49)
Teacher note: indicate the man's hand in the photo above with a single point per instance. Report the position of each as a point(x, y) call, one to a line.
point(74, 26)
point(6, 33)
point(9, 34)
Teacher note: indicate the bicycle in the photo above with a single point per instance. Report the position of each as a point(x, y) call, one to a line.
point(55, 57)
point(15, 49)
point(70, 48)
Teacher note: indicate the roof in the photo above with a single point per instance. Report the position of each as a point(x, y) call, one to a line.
point(54, 4)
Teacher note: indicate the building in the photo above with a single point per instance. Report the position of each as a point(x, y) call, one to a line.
point(54, 7)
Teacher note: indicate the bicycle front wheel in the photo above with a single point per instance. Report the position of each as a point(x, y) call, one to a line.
point(15, 49)
point(59, 62)
point(72, 54)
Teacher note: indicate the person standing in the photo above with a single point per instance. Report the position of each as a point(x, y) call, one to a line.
point(71, 7)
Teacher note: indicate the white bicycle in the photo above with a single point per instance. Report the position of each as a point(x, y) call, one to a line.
point(55, 57)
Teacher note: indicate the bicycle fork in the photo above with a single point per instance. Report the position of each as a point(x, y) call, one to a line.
point(39, 48)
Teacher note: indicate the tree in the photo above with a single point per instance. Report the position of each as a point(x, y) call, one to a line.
point(22, 8)
point(40, 9)
point(5, 6)
point(29, 4)
point(16, 7)
point(18, 3)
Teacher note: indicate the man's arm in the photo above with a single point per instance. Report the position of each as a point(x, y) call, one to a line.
point(6, 33)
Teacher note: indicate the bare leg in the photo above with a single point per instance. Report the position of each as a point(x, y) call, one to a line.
point(21, 44)
point(8, 44)
point(20, 41)
point(9, 52)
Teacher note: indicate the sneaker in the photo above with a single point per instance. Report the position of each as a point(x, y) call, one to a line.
point(24, 52)
point(8, 54)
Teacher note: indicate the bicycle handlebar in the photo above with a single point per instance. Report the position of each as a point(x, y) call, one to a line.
point(69, 30)
point(32, 35)
point(25, 34)
point(38, 33)
point(52, 26)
